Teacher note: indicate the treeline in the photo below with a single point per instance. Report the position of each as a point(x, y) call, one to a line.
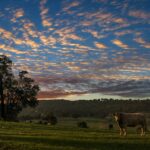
point(84, 108)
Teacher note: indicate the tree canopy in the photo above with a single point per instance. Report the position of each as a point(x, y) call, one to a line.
point(16, 91)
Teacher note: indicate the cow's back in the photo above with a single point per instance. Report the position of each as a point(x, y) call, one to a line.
point(132, 119)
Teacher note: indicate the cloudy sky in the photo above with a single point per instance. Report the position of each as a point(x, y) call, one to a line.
point(80, 49)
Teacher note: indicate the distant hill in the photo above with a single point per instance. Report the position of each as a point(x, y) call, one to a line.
point(85, 108)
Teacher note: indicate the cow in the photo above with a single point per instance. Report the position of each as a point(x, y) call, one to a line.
point(125, 120)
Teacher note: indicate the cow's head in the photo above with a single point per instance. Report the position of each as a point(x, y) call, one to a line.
point(116, 116)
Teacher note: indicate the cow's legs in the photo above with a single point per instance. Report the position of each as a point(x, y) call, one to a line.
point(124, 132)
point(121, 131)
point(142, 131)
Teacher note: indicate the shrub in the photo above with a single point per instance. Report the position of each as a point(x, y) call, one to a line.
point(39, 122)
point(110, 126)
point(82, 124)
point(51, 119)
point(42, 122)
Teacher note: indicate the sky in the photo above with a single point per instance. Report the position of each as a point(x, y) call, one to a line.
point(80, 49)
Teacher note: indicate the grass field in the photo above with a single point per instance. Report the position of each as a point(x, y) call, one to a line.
point(67, 136)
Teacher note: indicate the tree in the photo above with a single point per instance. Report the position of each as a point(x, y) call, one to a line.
point(16, 92)
point(5, 80)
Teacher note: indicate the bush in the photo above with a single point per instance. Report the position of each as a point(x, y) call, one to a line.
point(110, 126)
point(82, 124)
point(50, 118)
point(42, 122)
point(39, 122)
point(53, 120)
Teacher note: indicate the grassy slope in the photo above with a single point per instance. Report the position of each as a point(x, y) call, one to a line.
point(25, 136)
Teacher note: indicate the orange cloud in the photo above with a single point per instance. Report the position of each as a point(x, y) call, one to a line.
point(119, 20)
point(72, 4)
point(19, 13)
point(47, 40)
point(11, 49)
point(93, 33)
point(75, 37)
point(9, 36)
point(46, 20)
point(100, 45)
point(139, 14)
point(30, 28)
point(120, 44)
point(124, 32)
point(142, 42)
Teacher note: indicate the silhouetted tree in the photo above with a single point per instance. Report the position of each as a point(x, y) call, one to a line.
point(5, 80)
point(15, 92)
point(27, 90)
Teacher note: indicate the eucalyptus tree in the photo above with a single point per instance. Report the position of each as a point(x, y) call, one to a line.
point(16, 91)
point(5, 80)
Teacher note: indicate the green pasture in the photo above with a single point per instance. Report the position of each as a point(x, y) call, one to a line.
point(67, 136)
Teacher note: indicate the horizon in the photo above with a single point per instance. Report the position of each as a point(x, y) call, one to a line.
point(83, 49)
point(88, 98)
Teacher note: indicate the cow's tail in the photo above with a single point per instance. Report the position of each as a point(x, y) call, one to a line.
point(146, 128)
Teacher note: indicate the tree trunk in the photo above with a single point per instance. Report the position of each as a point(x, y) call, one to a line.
point(2, 98)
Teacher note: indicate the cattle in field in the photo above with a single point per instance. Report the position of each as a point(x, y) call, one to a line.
point(125, 120)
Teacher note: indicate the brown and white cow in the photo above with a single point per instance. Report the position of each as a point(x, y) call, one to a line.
point(125, 120)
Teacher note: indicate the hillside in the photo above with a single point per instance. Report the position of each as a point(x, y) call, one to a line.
point(83, 108)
